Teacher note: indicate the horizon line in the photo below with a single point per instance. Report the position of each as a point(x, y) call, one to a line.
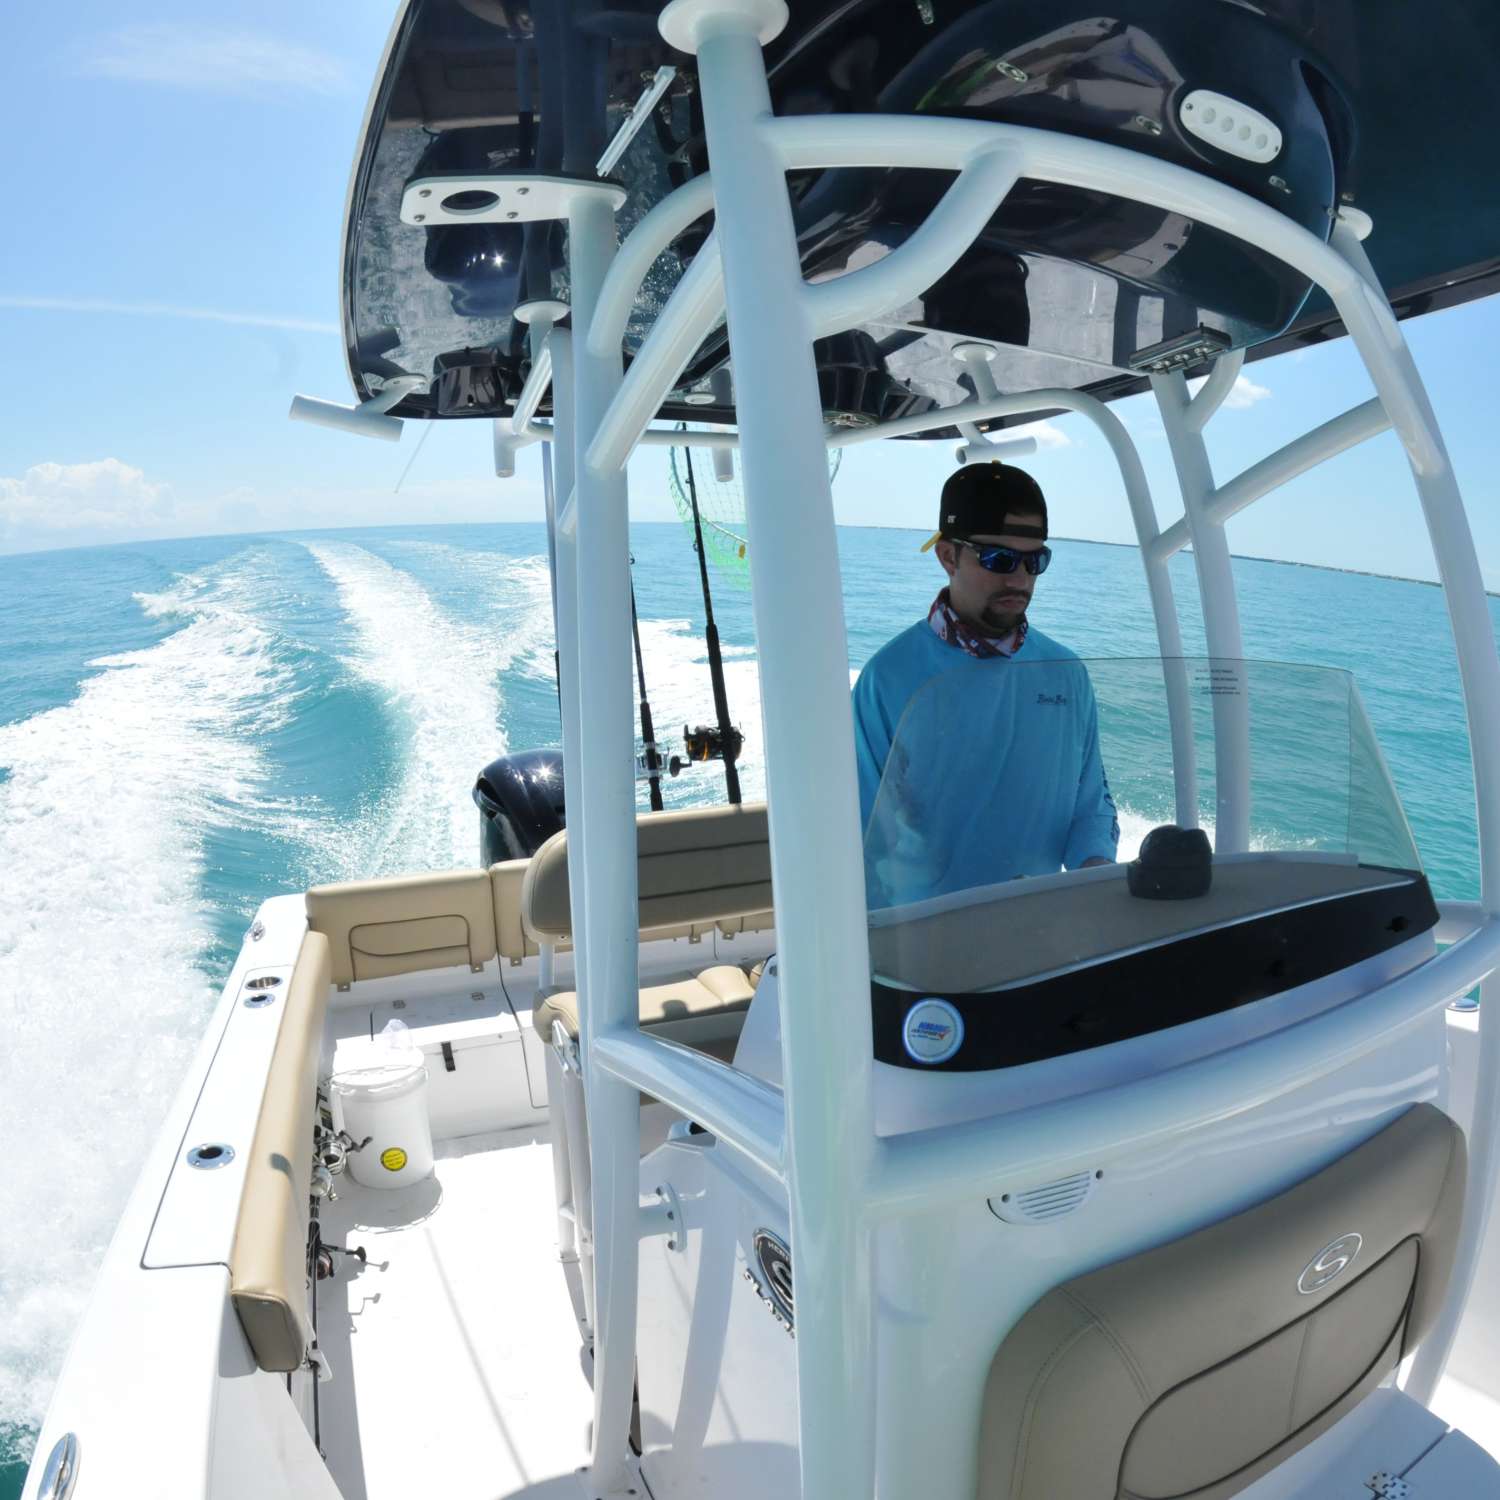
point(1088, 541)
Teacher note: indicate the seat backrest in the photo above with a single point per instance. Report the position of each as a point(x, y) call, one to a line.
point(1191, 1369)
point(696, 866)
point(401, 925)
point(268, 1257)
point(506, 881)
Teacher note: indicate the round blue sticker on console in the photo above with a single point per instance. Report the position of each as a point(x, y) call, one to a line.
point(933, 1031)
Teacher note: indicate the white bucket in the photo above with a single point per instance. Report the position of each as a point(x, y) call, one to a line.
point(387, 1101)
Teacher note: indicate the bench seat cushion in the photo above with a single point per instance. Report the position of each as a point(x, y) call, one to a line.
point(679, 1009)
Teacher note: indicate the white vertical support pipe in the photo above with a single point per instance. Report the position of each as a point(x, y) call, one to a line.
point(569, 1144)
point(565, 612)
point(1221, 616)
point(549, 510)
point(603, 860)
point(1215, 390)
point(1163, 613)
point(816, 849)
point(539, 316)
point(1400, 388)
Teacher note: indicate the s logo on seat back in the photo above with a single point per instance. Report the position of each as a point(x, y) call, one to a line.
point(1329, 1262)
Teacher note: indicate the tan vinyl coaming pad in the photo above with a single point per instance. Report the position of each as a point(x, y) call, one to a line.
point(268, 1259)
point(405, 924)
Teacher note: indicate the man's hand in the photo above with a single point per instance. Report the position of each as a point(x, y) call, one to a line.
point(1097, 859)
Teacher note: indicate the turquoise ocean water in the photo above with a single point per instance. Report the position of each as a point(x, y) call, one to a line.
point(189, 727)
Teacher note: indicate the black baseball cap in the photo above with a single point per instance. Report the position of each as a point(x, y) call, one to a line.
point(980, 499)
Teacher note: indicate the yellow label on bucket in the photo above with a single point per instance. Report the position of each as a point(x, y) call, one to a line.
point(393, 1158)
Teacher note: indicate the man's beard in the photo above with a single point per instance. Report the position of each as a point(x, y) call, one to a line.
point(1002, 619)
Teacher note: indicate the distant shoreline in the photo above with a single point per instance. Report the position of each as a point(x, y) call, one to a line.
point(1280, 562)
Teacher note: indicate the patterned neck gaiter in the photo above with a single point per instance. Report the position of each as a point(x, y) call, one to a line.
point(948, 627)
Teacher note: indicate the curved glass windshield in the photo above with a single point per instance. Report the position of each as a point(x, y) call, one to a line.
point(1048, 766)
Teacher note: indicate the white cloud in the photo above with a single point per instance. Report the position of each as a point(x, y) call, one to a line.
point(1243, 394)
point(218, 60)
point(1047, 435)
point(93, 504)
point(106, 495)
point(166, 310)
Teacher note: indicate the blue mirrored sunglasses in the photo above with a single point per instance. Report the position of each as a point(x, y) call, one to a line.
point(998, 559)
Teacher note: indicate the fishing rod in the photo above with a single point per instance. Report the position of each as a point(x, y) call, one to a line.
point(728, 737)
point(648, 734)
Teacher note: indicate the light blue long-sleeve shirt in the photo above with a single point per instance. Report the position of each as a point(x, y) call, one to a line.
point(996, 769)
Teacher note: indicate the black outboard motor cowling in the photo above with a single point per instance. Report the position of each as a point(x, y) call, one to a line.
point(520, 802)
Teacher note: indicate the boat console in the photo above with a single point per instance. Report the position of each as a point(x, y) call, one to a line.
point(1148, 1277)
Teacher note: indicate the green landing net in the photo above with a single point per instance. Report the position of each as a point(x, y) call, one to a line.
point(721, 505)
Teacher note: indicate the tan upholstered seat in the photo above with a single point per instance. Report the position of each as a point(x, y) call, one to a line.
point(376, 928)
point(1190, 1370)
point(751, 921)
point(506, 881)
point(696, 867)
point(708, 1007)
point(268, 1259)
point(701, 870)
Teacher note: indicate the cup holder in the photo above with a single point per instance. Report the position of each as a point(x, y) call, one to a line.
point(210, 1154)
point(262, 990)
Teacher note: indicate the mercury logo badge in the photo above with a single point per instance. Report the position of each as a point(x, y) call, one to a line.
point(1330, 1261)
point(932, 1032)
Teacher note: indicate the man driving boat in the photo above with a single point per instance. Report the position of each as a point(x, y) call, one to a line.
point(976, 736)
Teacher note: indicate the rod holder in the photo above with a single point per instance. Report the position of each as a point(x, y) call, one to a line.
point(986, 448)
point(368, 418)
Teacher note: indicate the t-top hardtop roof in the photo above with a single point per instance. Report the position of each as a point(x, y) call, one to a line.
point(1306, 105)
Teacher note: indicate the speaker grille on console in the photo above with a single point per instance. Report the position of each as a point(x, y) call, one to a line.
point(1050, 1200)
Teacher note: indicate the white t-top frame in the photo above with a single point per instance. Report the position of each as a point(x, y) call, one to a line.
point(817, 1134)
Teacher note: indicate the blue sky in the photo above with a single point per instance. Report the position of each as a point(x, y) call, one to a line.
point(169, 279)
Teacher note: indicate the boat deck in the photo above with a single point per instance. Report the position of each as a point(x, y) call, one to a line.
point(458, 1362)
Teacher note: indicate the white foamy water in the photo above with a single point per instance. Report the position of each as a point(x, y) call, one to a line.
point(681, 692)
point(1133, 828)
point(102, 994)
point(441, 677)
point(513, 595)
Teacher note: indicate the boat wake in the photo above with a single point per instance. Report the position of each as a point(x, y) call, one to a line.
point(514, 595)
point(438, 677)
